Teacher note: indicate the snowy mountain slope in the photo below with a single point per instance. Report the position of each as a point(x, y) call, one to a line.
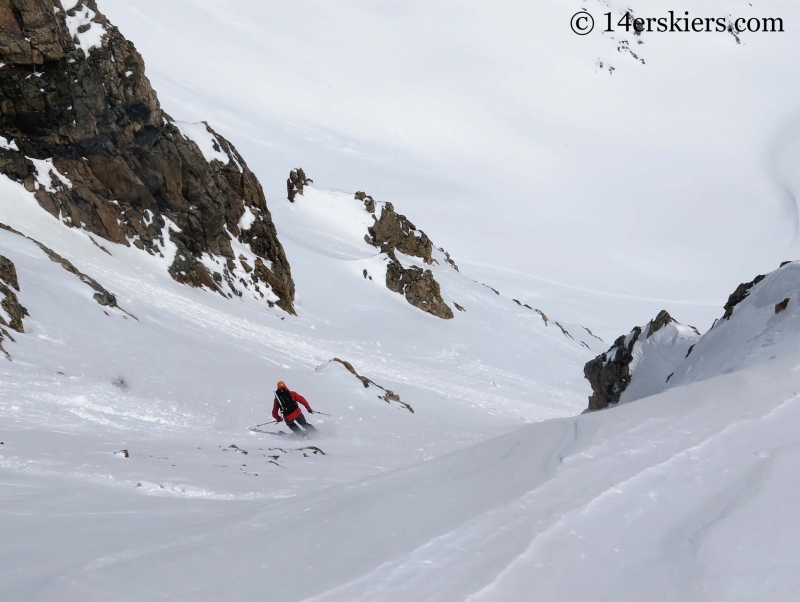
point(176, 377)
point(199, 368)
point(127, 468)
point(662, 499)
point(179, 384)
point(759, 325)
point(762, 325)
point(494, 128)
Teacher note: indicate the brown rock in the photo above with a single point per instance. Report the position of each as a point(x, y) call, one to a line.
point(662, 319)
point(418, 287)
point(395, 232)
point(564, 331)
point(388, 396)
point(779, 307)
point(12, 307)
point(8, 298)
point(609, 373)
point(297, 180)
point(369, 202)
point(8, 273)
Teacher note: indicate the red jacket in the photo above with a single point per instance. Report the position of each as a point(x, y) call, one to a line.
point(293, 416)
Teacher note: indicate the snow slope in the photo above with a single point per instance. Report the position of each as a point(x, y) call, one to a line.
point(687, 495)
point(178, 376)
point(754, 334)
point(684, 495)
point(761, 328)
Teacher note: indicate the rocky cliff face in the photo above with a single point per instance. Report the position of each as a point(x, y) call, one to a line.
point(82, 129)
point(650, 353)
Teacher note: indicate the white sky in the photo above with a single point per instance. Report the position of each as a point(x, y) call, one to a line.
point(492, 127)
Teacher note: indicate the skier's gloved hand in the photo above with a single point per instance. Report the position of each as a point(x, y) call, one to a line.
point(279, 420)
point(310, 411)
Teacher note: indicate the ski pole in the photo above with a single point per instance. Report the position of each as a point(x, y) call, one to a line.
point(264, 423)
point(322, 413)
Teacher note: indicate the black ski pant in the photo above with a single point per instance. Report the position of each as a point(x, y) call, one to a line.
point(292, 424)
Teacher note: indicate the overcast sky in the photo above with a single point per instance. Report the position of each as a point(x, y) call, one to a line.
point(493, 127)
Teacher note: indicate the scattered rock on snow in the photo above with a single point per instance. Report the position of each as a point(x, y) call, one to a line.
point(10, 303)
point(369, 202)
point(779, 307)
point(739, 295)
point(449, 259)
point(102, 296)
point(496, 292)
point(388, 396)
point(564, 330)
point(592, 334)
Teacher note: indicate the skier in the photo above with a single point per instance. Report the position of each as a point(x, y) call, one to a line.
point(286, 402)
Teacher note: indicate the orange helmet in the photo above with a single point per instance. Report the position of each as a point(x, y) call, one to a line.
point(281, 384)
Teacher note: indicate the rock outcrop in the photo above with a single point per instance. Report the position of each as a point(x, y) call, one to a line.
point(653, 351)
point(394, 232)
point(418, 287)
point(609, 373)
point(739, 295)
point(369, 202)
point(296, 182)
point(14, 312)
point(81, 128)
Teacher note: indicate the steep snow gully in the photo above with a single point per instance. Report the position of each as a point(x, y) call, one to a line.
point(152, 295)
